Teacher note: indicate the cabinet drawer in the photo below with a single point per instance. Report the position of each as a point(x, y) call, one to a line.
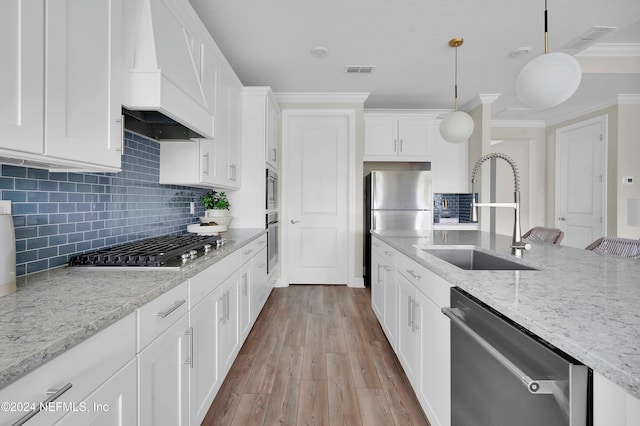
point(385, 251)
point(84, 367)
point(203, 283)
point(159, 314)
point(427, 282)
point(253, 248)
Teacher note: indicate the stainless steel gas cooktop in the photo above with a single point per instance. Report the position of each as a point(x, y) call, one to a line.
point(169, 252)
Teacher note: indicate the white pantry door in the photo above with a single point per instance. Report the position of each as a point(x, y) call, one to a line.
point(316, 204)
point(581, 181)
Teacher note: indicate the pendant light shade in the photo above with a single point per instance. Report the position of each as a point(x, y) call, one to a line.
point(549, 79)
point(457, 126)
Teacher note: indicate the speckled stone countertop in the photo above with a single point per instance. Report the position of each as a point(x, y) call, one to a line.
point(584, 303)
point(55, 310)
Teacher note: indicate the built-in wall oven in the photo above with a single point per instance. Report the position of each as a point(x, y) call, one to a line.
point(272, 190)
point(272, 240)
point(502, 375)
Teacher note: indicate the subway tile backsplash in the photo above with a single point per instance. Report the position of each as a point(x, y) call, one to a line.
point(459, 206)
point(57, 215)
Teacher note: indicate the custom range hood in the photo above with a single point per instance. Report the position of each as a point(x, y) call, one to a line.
point(169, 70)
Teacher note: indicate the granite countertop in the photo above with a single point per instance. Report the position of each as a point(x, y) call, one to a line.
point(582, 302)
point(55, 310)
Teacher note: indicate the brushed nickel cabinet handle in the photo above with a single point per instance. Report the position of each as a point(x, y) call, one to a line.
point(55, 394)
point(171, 309)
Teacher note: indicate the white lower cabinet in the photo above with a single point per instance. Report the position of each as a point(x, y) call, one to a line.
point(204, 379)
point(244, 300)
point(409, 336)
point(185, 339)
point(384, 289)
point(112, 404)
point(163, 377)
point(228, 331)
point(612, 405)
point(422, 341)
point(260, 287)
point(90, 372)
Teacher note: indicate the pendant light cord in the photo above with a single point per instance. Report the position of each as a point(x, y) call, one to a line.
point(546, 29)
point(455, 105)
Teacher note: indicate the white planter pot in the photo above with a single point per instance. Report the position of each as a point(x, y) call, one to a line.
point(221, 217)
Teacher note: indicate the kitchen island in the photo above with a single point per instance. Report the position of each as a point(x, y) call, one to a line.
point(55, 310)
point(581, 302)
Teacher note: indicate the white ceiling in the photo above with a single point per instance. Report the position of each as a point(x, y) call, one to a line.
point(268, 43)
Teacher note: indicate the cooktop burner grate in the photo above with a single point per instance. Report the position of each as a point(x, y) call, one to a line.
point(151, 252)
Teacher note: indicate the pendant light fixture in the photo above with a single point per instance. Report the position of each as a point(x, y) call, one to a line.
point(549, 79)
point(457, 126)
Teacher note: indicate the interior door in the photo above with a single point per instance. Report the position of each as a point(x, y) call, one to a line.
point(581, 181)
point(316, 186)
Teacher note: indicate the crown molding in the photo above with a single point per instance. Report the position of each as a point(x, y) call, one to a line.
point(611, 49)
point(321, 97)
point(518, 123)
point(629, 98)
point(483, 98)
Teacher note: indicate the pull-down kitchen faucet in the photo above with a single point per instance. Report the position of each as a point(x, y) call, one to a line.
point(517, 245)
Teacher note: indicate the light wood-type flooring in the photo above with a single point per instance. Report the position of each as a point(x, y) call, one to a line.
point(316, 356)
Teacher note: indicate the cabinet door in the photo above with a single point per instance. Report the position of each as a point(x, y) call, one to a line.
point(414, 137)
point(259, 283)
point(272, 133)
point(235, 135)
point(163, 388)
point(227, 310)
point(378, 274)
point(408, 324)
point(381, 136)
point(22, 75)
point(390, 324)
point(115, 403)
point(435, 355)
point(244, 300)
point(204, 379)
point(83, 81)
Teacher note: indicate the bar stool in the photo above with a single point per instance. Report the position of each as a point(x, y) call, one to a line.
point(547, 235)
point(624, 247)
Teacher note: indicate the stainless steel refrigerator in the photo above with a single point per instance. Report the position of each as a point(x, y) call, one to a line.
point(396, 200)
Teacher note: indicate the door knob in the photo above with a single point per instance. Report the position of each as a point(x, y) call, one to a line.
point(293, 222)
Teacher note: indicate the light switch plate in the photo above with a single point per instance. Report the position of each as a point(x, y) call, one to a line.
point(5, 207)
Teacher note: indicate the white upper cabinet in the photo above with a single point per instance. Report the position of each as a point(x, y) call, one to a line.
point(398, 136)
point(82, 89)
point(188, 162)
point(449, 165)
point(61, 84)
point(21, 75)
point(272, 132)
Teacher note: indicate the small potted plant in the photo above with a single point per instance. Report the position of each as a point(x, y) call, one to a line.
point(216, 206)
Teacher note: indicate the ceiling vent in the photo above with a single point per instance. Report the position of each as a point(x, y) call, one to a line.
point(359, 69)
point(588, 38)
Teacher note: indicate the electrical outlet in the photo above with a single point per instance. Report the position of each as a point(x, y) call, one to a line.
point(5, 207)
point(192, 207)
point(627, 180)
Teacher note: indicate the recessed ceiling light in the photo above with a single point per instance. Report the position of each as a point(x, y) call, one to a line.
point(320, 51)
point(520, 51)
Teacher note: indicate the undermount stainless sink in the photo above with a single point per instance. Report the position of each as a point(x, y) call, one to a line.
point(476, 260)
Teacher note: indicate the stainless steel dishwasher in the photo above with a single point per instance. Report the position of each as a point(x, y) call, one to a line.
point(502, 375)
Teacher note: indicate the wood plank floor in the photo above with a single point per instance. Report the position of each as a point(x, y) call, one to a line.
point(316, 356)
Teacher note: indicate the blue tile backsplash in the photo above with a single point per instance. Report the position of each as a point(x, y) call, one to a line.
point(57, 215)
point(459, 206)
